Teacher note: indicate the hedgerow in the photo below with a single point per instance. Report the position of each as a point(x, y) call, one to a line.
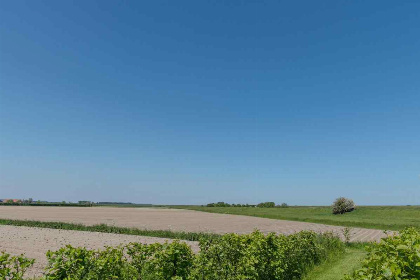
point(190, 236)
point(254, 256)
point(395, 257)
point(259, 256)
point(259, 205)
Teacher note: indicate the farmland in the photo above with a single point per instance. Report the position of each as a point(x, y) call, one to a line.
point(375, 217)
point(232, 256)
point(35, 230)
point(178, 220)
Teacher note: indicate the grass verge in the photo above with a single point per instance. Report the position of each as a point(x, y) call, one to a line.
point(190, 236)
point(336, 268)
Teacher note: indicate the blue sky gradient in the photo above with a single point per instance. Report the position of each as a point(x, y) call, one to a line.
point(190, 102)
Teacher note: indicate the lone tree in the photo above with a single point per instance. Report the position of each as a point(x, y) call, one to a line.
point(343, 205)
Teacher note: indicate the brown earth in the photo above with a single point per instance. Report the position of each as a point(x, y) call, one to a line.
point(174, 219)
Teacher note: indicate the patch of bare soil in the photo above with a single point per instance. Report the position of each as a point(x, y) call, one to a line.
point(174, 219)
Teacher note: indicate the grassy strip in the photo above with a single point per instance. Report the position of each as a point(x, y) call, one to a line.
point(375, 217)
point(190, 236)
point(336, 268)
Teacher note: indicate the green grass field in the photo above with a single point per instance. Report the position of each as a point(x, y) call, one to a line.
point(376, 217)
point(336, 268)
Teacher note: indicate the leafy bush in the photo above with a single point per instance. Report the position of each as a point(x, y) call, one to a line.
point(13, 267)
point(69, 263)
point(395, 257)
point(134, 261)
point(257, 256)
point(343, 205)
point(161, 261)
point(266, 205)
point(254, 256)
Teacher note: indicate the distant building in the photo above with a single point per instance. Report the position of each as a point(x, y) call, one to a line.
point(9, 200)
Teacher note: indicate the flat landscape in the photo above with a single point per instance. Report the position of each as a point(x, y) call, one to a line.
point(175, 220)
point(36, 240)
point(376, 217)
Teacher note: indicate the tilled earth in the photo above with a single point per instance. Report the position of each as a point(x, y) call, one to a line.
point(175, 219)
point(35, 242)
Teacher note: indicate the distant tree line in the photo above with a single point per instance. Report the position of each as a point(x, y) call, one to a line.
point(31, 202)
point(259, 205)
point(80, 203)
point(107, 202)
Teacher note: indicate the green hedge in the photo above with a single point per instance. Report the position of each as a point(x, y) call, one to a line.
point(395, 257)
point(13, 267)
point(230, 257)
point(191, 236)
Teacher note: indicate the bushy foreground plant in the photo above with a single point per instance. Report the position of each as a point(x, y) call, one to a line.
point(395, 257)
point(259, 256)
point(134, 261)
point(230, 257)
point(343, 205)
point(162, 261)
point(254, 256)
point(13, 267)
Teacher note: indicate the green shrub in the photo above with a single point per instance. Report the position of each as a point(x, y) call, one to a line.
point(134, 261)
point(13, 267)
point(161, 261)
point(257, 256)
point(266, 205)
point(69, 263)
point(81, 263)
point(111, 263)
point(254, 256)
point(343, 205)
point(395, 257)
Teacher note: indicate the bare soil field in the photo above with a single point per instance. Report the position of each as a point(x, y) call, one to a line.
point(174, 219)
point(35, 242)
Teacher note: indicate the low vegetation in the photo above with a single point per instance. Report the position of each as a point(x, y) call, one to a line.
point(259, 205)
point(81, 203)
point(13, 267)
point(395, 257)
point(191, 236)
point(376, 217)
point(305, 255)
point(252, 256)
point(335, 268)
point(343, 205)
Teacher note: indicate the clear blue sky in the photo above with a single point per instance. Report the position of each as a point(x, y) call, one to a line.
point(189, 102)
